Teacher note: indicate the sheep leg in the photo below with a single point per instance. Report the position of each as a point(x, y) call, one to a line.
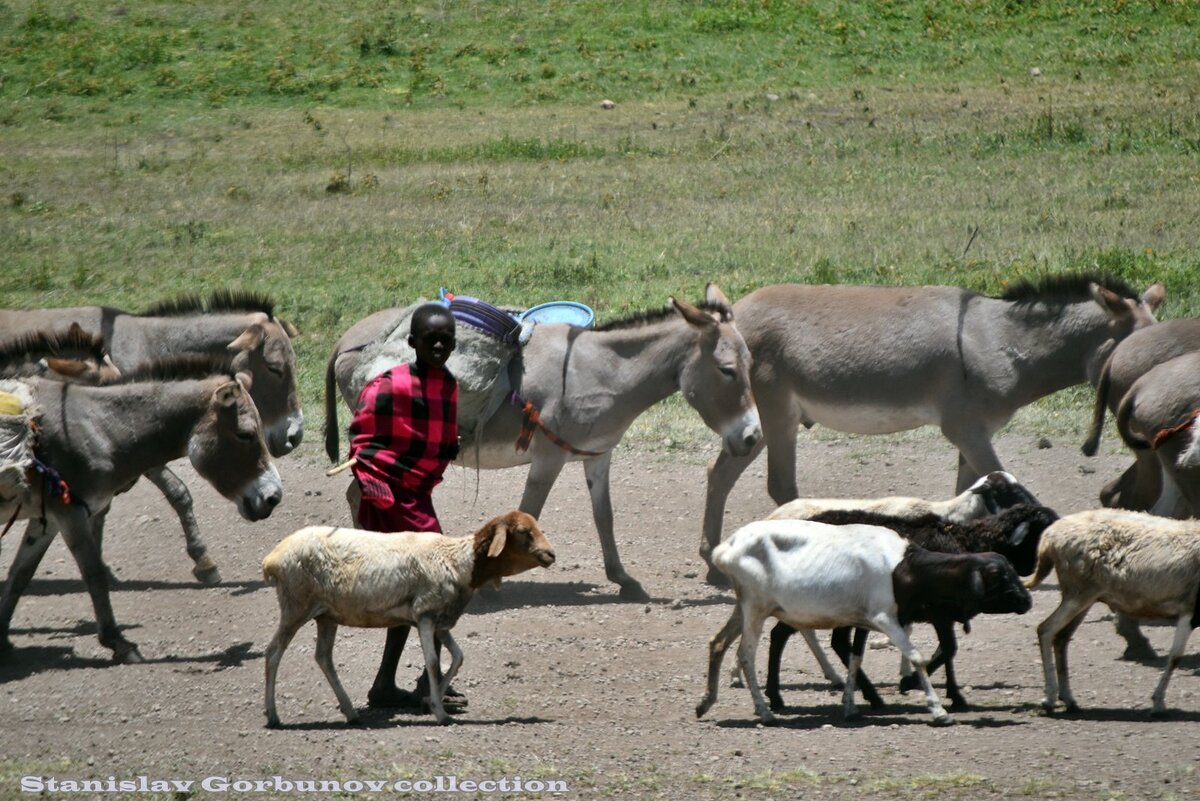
point(456, 659)
point(947, 648)
point(432, 667)
point(717, 647)
point(279, 643)
point(326, 632)
point(1183, 630)
point(840, 642)
point(853, 671)
point(831, 673)
point(176, 493)
point(752, 626)
point(895, 632)
point(595, 470)
point(1053, 635)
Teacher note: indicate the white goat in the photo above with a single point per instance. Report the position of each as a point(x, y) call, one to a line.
point(1139, 564)
point(811, 575)
point(993, 493)
point(373, 580)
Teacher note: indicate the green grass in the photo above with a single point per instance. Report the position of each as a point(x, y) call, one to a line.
point(347, 157)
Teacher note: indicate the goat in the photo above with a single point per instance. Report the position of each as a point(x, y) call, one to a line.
point(993, 493)
point(1138, 564)
point(375, 580)
point(1014, 534)
point(814, 575)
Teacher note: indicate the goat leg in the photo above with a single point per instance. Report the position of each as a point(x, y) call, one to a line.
point(840, 642)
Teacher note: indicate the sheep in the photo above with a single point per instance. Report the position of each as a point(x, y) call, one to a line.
point(1139, 564)
point(993, 493)
point(814, 575)
point(375, 580)
point(1014, 534)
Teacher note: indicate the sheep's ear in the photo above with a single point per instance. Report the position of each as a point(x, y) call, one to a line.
point(1019, 534)
point(499, 537)
point(977, 585)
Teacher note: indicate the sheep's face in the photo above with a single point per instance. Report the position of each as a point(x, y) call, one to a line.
point(999, 588)
point(514, 543)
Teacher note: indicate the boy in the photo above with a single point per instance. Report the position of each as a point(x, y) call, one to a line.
point(403, 435)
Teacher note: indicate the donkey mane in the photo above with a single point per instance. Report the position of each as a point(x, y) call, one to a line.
point(1065, 288)
point(723, 312)
point(222, 300)
point(177, 368)
point(73, 342)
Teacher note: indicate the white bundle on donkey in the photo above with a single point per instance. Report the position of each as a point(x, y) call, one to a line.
point(488, 339)
point(16, 447)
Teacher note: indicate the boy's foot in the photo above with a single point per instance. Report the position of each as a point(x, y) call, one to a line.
point(394, 698)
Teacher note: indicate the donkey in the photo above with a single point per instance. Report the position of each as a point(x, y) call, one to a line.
point(590, 385)
point(94, 441)
point(72, 354)
point(876, 360)
point(243, 324)
point(1139, 487)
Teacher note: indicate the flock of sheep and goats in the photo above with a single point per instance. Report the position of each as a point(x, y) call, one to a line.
point(93, 398)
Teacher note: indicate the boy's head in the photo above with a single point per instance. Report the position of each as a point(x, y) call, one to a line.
point(432, 334)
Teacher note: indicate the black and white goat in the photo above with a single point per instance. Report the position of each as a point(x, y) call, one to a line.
point(814, 575)
point(1014, 534)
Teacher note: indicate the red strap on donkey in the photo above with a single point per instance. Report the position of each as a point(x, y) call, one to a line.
point(1166, 433)
point(532, 419)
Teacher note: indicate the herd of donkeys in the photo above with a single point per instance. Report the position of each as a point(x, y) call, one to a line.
point(93, 398)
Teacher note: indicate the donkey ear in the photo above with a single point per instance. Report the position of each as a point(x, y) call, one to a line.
point(1154, 296)
point(693, 315)
point(249, 339)
point(70, 368)
point(714, 295)
point(289, 329)
point(1109, 300)
point(499, 537)
point(227, 394)
point(245, 378)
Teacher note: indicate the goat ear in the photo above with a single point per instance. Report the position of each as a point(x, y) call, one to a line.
point(499, 536)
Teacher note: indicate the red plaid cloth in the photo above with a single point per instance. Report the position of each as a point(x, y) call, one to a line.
point(404, 432)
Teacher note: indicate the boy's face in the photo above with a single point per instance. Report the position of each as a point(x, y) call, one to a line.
point(434, 341)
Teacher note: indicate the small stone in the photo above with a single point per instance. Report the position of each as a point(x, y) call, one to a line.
point(607, 105)
point(772, 97)
point(1044, 443)
point(1086, 469)
point(1035, 73)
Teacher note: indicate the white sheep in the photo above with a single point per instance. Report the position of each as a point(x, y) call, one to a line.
point(1139, 564)
point(373, 580)
point(991, 494)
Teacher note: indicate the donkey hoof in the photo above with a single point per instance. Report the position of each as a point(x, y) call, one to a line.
point(716, 578)
point(206, 572)
point(127, 654)
point(1139, 652)
point(632, 591)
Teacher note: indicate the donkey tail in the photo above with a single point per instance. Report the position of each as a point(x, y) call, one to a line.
point(1092, 443)
point(332, 447)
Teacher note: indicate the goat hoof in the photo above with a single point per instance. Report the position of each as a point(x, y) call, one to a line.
point(273, 723)
point(909, 683)
point(206, 572)
point(1048, 709)
point(703, 707)
point(959, 704)
point(944, 720)
point(633, 591)
point(777, 704)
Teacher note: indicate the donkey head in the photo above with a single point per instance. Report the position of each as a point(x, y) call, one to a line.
point(264, 350)
point(227, 448)
point(716, 379)
point(1125, 315)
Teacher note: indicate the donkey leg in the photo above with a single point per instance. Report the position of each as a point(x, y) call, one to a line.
point(29, 555)
point(723, 473)
point(176, 493)
point(77, 533)
point(596, 472)
point(976, 456)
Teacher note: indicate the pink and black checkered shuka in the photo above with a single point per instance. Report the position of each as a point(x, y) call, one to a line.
point(404, 432)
